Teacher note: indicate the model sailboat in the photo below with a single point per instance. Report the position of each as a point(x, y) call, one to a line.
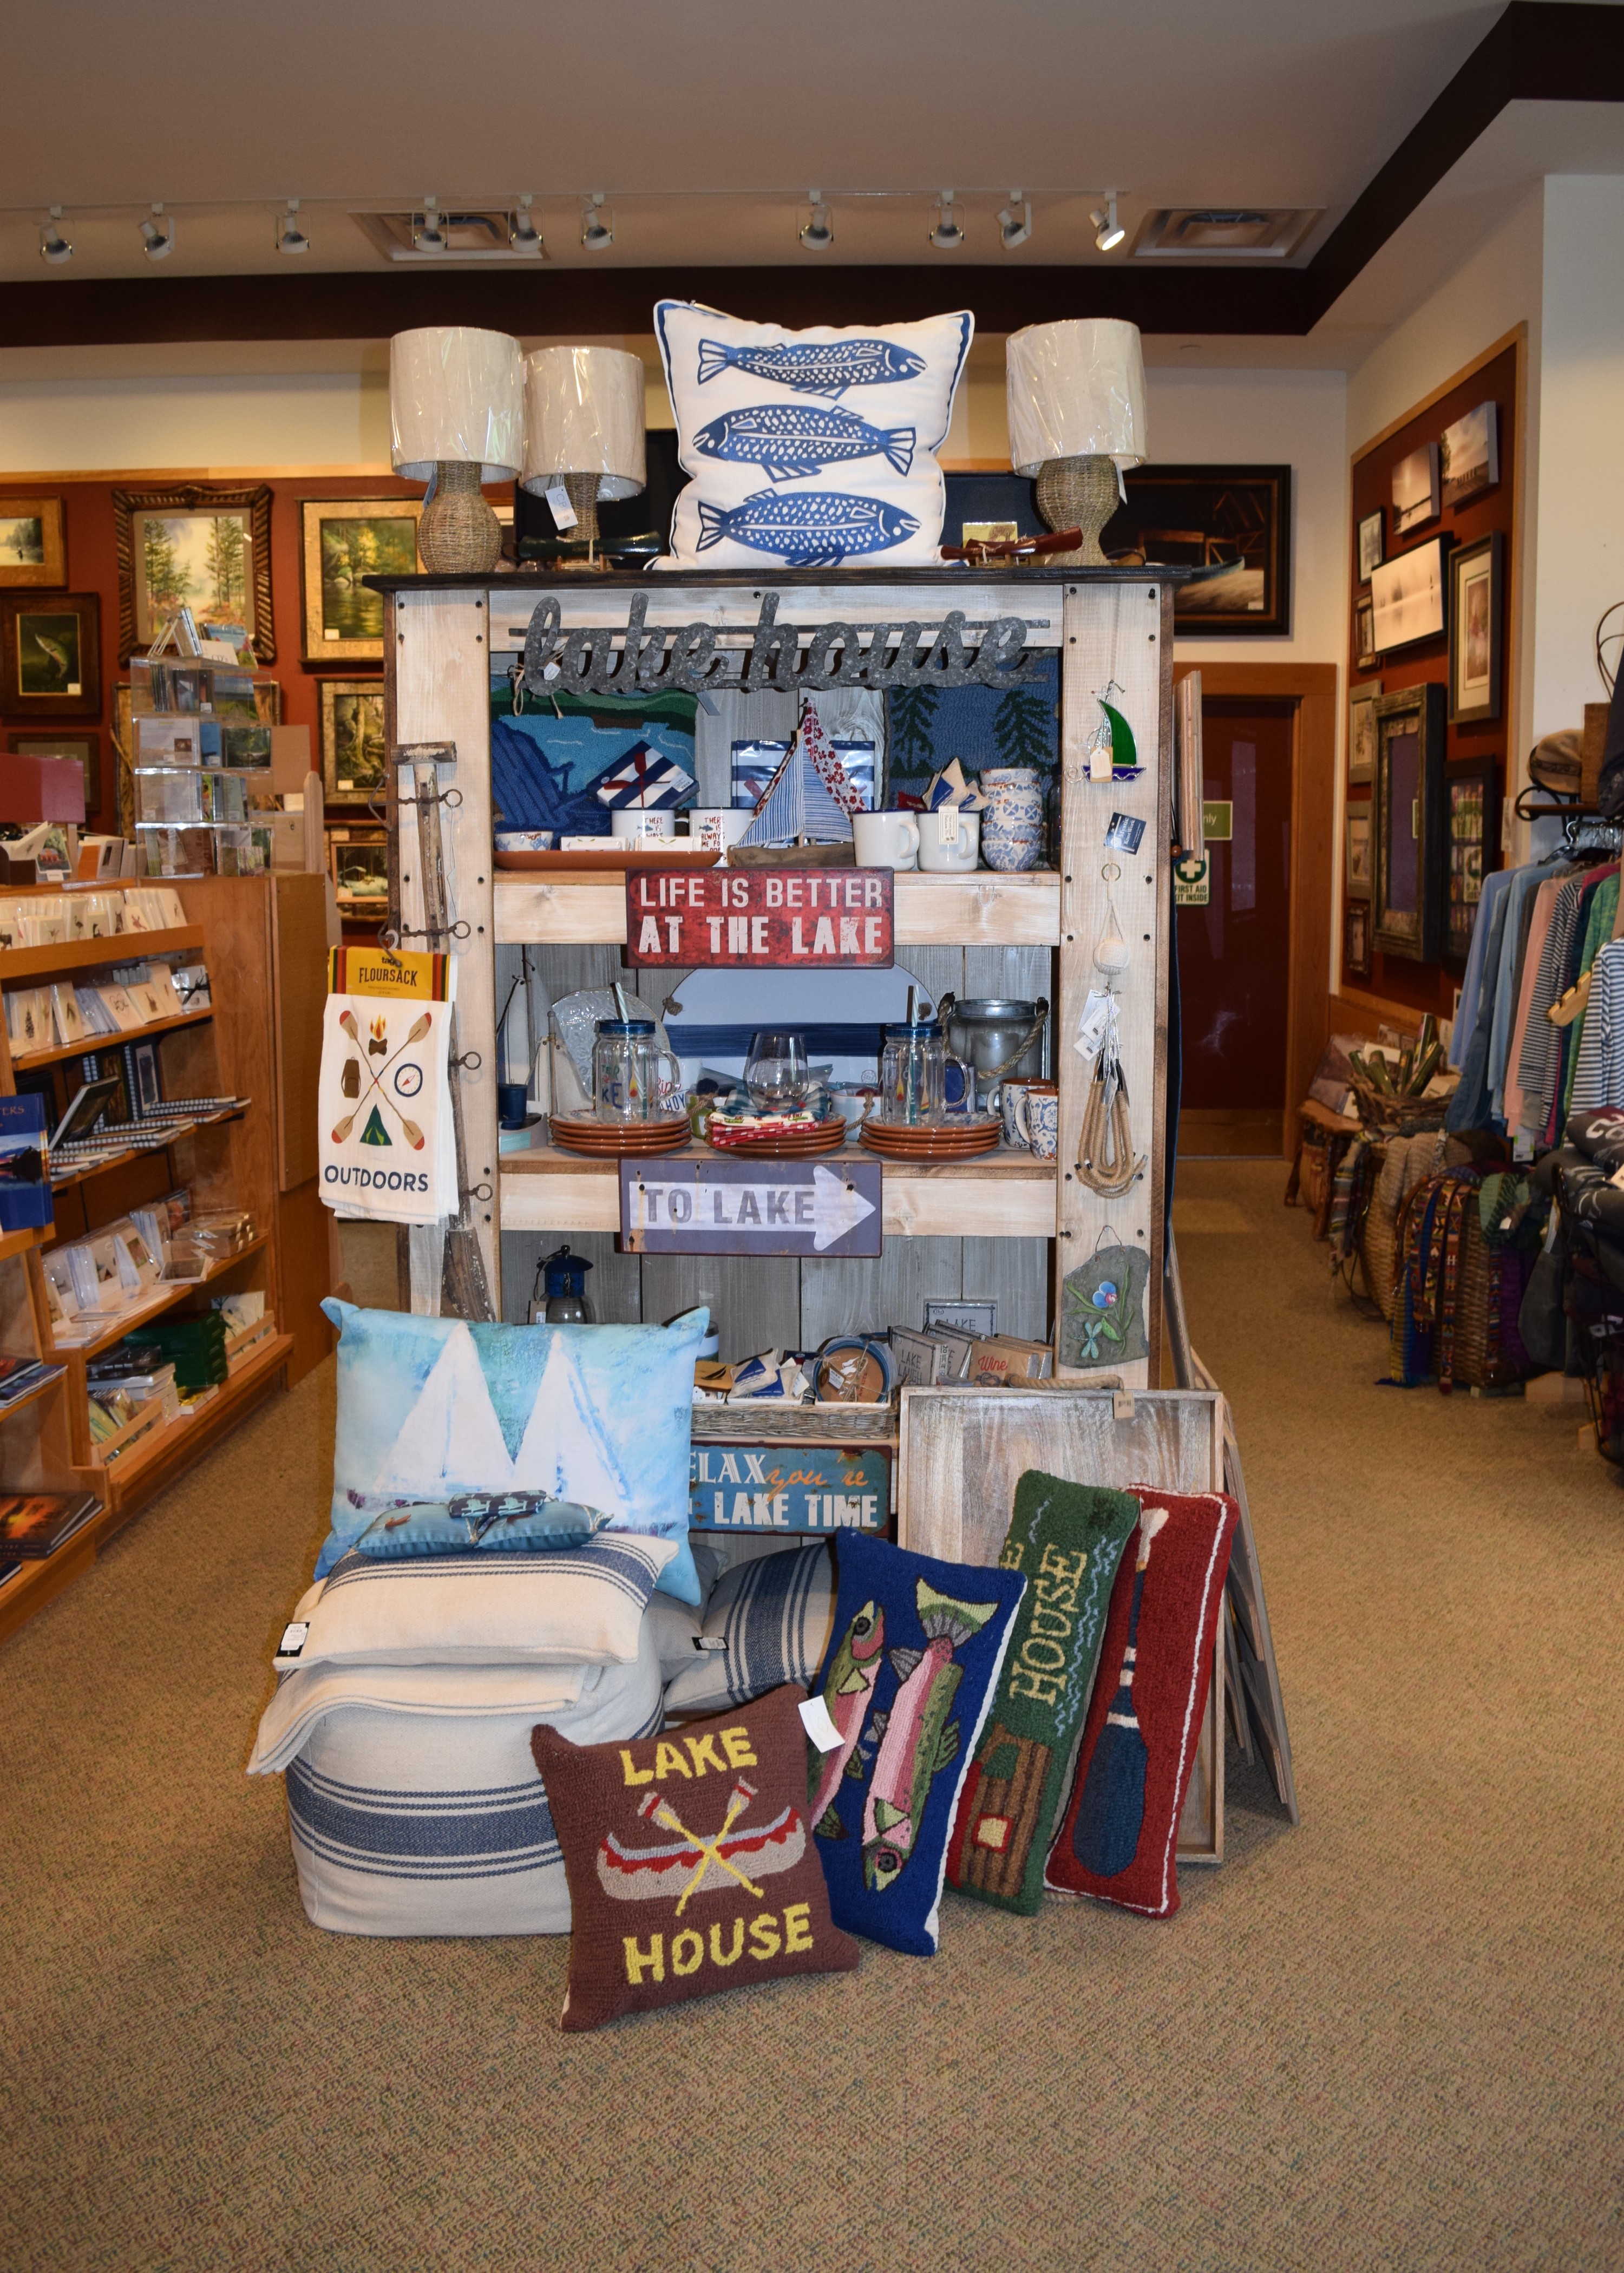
point(810, 799)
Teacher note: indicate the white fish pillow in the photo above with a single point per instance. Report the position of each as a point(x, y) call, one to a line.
point(811, 449)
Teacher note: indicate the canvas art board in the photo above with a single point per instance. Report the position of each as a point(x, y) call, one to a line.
point(1470, 454)
point(1415, 489)
point(1409, 598)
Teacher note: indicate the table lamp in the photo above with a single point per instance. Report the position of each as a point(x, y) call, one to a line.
point(456, 412)
point(584, 430)
point(1076, 414)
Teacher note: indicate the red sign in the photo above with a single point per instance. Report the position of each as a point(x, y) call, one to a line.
point(760, 918)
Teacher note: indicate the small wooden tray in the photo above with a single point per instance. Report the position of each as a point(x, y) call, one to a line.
point(670, 855)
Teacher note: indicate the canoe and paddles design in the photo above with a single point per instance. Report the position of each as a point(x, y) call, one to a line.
point(734, 1856)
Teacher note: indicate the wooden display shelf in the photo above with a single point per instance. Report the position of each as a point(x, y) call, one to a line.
point(152, 1462)
point(770, 1421)
point(176, 1131)
point(19, 1242)
point(164, 1298)
point(984, 909)
point(18, 964)
point(40, 1389)
point(26, 1061)
point(37, 1583)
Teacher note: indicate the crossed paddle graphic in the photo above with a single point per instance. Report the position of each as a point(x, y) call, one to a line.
point(659, 1809)
point(409, 1128)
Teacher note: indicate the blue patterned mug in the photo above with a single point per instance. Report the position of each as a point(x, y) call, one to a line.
point(1013, 825)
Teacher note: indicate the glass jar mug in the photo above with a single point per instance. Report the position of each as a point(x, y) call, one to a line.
point(915, 1067)
point(632, 1078)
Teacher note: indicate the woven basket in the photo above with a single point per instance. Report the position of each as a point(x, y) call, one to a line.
point(1391, 1116)
point(1405, 1163)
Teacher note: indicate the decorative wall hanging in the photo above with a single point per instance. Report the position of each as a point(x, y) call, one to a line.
point(1102, 1306)
point(1415, 496)
point(1471, 821)
point(52, 646)
point(1470, 454)
point(1361, 733)
point(198, 547)
point(1231, 525)
point(353, 747)
point(1476, 613)
point(1410, 598)
point(1105, 1160)
point(34, 550)
point(1113, 754)
point(1370, 533)
point(345, 541)
point(1408, 900)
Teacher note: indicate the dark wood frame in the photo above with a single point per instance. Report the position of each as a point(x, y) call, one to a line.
point(312, 511)
point(1494, 545)
point(1356, 939)
point(196, 498)
point(1358, 887)
point(1416, 938)
point(52, 574)
point(1485, 773)
point(87, 607)
point(21, 741)
point(1365, 652)
point(1361, 573)
point(346, 801)
point(1273, 620)
point(1361, 697)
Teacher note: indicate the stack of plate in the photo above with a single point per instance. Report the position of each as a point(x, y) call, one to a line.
point(798, 1143)
point(961, 1139)
point(614, 1140)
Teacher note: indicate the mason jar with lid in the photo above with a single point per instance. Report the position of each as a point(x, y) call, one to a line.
point(633, 1079)
point(915, 1067)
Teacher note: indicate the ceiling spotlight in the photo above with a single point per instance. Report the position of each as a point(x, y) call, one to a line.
point(431, 236)
point(286, 235)
point(1015, 222)
point(523, 233)
point(54, 247)
point(597, 233)
point(158, 233)
point(947, 236)
point(1107, 230)
point(819, 233)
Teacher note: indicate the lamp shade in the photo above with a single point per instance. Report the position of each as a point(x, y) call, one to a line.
point(457, 395)
point(583, 415)
point(1076, 390)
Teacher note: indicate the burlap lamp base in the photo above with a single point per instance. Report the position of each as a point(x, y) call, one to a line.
point(459, 533)
point(1078, 493)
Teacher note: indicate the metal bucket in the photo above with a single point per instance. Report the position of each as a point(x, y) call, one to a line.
point(998, 1036)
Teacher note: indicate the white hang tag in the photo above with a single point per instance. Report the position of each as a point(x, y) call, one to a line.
point(950, 836)
point(558, 503)
point(819, 1726)
point(293, 1639)
point(709, 1642)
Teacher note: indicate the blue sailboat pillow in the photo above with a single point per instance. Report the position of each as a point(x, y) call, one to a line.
point(433, 1409)
point(811, 449)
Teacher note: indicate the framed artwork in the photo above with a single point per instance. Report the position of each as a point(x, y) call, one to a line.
point(1365, 634)
point(87, 748)
point(358, 863)
point(1416, 492)
point(1369, 544)
point(52, 655)
point(352, 741)
point(1470, 452)
point(34, 544)
point(1357, 848)
point(1471, 821)
point(198, 547)
point(1361, 732)
point(1410, 598)
point(1407, 814)
point(346, 540)
point(1231, 525)
point(1476, 613)
point(1356, 939)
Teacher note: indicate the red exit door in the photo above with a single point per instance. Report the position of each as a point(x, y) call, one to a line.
point(1235, 953)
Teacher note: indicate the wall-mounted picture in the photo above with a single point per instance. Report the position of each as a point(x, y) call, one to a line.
point(1472, 824)
point(1231, 525)
point(1410, 598)
point(1356, 841)
point(352, 741)
point(358, 862)
point(34, 546)
point(346, 541)
point(1470, 452)
point(52, 663)
point(1407, 812)
point(84, 749)
point(1356, 939)
point(1369, 544)
point(1361, 732)
point(1365, 634)
point(1417, 496)
point(1476, 613)
point(208, 550)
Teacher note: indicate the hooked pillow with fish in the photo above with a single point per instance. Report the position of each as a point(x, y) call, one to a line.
point(909, 1676)
point(812, 449)
point(690, 1865)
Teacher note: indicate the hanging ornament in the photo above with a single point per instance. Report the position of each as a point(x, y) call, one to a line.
point(1112, 953)
point(1113, 754)
point(1105, 1157)
point(1102, 1306)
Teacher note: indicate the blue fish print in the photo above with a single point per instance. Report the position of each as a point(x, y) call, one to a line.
point(806, 528)
point(786, 439)
point(813, 370)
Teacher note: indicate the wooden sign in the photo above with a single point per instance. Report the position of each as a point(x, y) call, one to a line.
point(788, 1487)
point(760, 918)
point(749, 1207)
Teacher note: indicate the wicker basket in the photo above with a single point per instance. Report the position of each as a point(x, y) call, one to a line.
point(1406, 1162)
point(1391, 1116)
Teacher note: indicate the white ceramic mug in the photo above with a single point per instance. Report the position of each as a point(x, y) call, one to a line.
point(949, 840)
point(715, 828)
point(886, 840)
point(636, 824)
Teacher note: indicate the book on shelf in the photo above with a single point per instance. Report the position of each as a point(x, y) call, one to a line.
point(25, 1165)
point(20, 1377)
point(33, 1525)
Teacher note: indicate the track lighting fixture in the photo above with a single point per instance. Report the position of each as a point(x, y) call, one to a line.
point(286, 235)
point(1107, 230)
point(54, 247)
point(523, 233)
point(819, 233)
point(1015, 222)
point(158, 233)
point(947, 236)
point(596, 234)
point(430, 235)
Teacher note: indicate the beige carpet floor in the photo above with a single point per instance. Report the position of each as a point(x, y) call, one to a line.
point(1391, 2038)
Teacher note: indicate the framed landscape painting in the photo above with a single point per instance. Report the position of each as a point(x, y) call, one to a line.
point(34, 548)
point(1230, 525)
point(52, 646)
point(345, 541)
point(208, 550)
point(352, 741)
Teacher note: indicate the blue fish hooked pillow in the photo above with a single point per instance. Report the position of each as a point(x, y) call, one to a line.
point(436, 1409)
point(907, 1680)
point(812, 449)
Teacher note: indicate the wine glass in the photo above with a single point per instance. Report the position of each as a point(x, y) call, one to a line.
point(776, 1072)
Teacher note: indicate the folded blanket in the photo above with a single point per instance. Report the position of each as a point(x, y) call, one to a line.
point(442, 1692)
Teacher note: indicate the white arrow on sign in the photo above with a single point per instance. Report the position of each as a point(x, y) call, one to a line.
point(829, 1209)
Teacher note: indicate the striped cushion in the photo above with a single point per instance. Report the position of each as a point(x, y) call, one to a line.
point(773, 1616)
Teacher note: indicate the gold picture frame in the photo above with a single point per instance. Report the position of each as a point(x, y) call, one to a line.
point(33, 543)
point(344, 540)
point(354, 770)
point(185, 536)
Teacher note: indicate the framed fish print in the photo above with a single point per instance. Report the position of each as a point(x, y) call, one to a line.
point(352, 741)
point(33, 546)
point(198, 547)
point(1471, 807)
point(1407, 812)
point(52, 655)
point(1230, 525)
point(86, 750)
point(1476, 613)
point(345, 541)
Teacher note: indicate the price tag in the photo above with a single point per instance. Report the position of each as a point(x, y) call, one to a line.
point(815, 1718)
point(558, 503)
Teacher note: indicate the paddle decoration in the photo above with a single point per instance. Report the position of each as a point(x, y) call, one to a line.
point(1106, 1836)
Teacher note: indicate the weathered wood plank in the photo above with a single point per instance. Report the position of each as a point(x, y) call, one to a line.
point(755, 1302)
point(983, 910)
